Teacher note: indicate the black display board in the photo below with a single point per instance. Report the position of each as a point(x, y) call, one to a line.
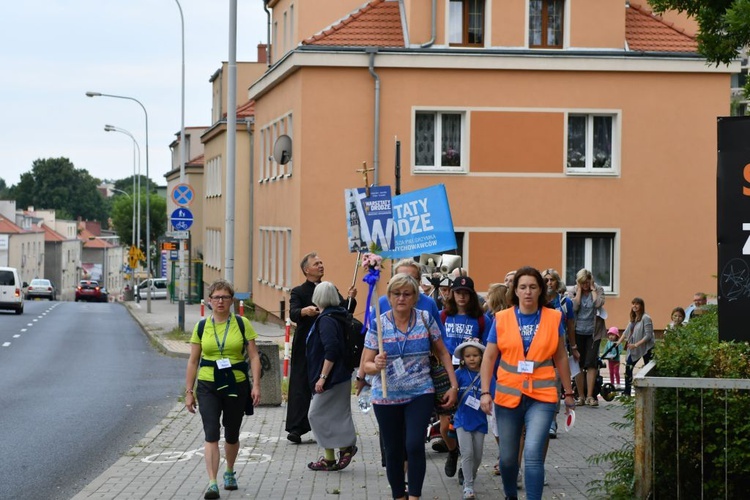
point(733, 227)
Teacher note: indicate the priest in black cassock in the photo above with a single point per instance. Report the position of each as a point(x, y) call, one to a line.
point(303, 313)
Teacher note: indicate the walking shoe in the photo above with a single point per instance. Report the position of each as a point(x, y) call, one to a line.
point(461, 476)
point(451, 462)
point(546, 483)
point(553, 430)
point(323, 465)
point(592, 402)
point(212, 492)
point(579, 401)
point(345, 456)
point(230, 483)
point(440, 446)
point(519, 480)
point(469, 494)
point(294, 437)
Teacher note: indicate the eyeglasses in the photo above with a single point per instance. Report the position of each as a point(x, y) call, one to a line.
point(406, 295)
point(221, 298)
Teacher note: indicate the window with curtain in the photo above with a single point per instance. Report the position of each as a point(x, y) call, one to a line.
point(446, 127)
point(466, 23)
point(592, 251)
point(590, 143)
point(546, 23)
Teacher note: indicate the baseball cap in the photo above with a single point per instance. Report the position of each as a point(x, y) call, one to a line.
point(463, 283)
point(613, 330)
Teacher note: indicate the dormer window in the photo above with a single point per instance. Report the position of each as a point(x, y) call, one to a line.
point(466, 23)
point(546, 24)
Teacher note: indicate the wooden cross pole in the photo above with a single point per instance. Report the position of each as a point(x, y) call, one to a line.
point(364, 171)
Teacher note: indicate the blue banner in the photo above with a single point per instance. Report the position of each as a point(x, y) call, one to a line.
point(423, 223)
point(369, 219)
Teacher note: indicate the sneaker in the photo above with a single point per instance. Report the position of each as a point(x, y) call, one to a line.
point(519, 480)
point(553, 430)
point(546, 483)
point(451, 463)
point(230, 483)
point(461, 476)
point(469, 494)
point(579, 401)
point(212, 492)
point(592, 402)
point(440, 446)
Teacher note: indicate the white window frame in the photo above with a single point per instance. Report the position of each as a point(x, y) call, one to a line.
point(612, 287)
point(436, 168)
point(589, 169)
point(275, 257)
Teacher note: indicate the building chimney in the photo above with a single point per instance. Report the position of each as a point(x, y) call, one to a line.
point(262, 53)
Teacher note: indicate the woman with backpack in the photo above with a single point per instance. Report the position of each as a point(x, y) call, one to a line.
point(329, 373)
point(218, 350)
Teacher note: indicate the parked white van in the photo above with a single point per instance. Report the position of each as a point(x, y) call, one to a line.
point(11, 290)
point(158, 288)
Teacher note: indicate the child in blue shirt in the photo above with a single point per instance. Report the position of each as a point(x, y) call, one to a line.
point(469, 420)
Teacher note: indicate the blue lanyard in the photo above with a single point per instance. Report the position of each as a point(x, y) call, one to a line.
point(537, 320)
point(216, 336)
point(402, 344)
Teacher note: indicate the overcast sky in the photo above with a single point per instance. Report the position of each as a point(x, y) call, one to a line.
point(53, 52)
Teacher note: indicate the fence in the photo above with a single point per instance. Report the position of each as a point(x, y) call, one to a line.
point(696, 431)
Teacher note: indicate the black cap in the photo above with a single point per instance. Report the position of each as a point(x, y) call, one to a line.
point(463, 283)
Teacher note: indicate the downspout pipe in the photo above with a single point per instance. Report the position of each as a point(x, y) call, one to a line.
point(372, 51)
point(251, 220)
point(434, 26)
point(268, 34)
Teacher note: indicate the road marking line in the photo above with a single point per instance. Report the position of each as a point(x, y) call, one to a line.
point(16, 335)
point(23, 329)
point(30, 324)
point(6, 344)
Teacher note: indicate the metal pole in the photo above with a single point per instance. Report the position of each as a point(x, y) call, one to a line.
point(231, 143)
point(148, 204)
point(181, 255)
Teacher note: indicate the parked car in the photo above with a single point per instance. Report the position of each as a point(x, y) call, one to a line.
point(11, 290)
point(40, 288)
point(89, 291)
point(159, 289)
point(104, 294)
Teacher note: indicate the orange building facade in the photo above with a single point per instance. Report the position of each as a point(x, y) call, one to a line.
point(568, 135)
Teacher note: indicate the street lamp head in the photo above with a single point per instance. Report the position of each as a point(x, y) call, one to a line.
point(93, 94)
point(109, 128)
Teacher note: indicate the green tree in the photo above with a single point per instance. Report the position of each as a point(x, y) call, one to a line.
point(723, 25)
point(4, 191)
point(122, 217)
point(55, 183)
point(126, 184)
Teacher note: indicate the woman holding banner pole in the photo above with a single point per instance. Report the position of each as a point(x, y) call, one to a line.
point(403, 363)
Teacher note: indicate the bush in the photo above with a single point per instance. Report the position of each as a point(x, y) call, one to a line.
point(698, 433)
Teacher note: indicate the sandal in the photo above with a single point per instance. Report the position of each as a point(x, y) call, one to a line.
point(345, 456)
point(324, 465)
point(496, 469)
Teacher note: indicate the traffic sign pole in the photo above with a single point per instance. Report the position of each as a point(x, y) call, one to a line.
point(181, 219)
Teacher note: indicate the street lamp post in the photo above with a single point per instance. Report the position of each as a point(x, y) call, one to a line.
point(148, 204)
point(181, 256)
point(136, 240)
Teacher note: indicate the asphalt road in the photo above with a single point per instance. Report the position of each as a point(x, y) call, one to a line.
point(79, 385)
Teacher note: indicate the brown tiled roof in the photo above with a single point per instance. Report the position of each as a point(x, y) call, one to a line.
point(9, 227)
point(198, 161)
point(376, 24)
point(51, 235)
point(247, 109)
point(89, 239)
point(646, 33)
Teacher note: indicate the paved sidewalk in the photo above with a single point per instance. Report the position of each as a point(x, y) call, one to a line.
point(167, 463)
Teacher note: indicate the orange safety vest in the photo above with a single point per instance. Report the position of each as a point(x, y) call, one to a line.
point(540, 383)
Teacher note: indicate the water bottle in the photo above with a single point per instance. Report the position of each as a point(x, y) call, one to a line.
point(364, 399)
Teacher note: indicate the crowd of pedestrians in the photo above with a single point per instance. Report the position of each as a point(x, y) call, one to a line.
point(507, 363)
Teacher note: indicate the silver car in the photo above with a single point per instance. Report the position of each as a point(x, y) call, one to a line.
point(40, 288)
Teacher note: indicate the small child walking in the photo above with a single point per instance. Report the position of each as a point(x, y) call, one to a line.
point(469, 420)
point(613, 351)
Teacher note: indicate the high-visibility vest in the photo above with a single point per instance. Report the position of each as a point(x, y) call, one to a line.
point(540, 383)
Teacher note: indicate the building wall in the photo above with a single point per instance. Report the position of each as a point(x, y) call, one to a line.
point(26, 253)
point(515, 203)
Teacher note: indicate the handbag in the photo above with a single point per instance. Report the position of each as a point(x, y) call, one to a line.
point(439, 375)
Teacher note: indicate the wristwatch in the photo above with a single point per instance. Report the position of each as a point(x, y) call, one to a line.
point(323, 376)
